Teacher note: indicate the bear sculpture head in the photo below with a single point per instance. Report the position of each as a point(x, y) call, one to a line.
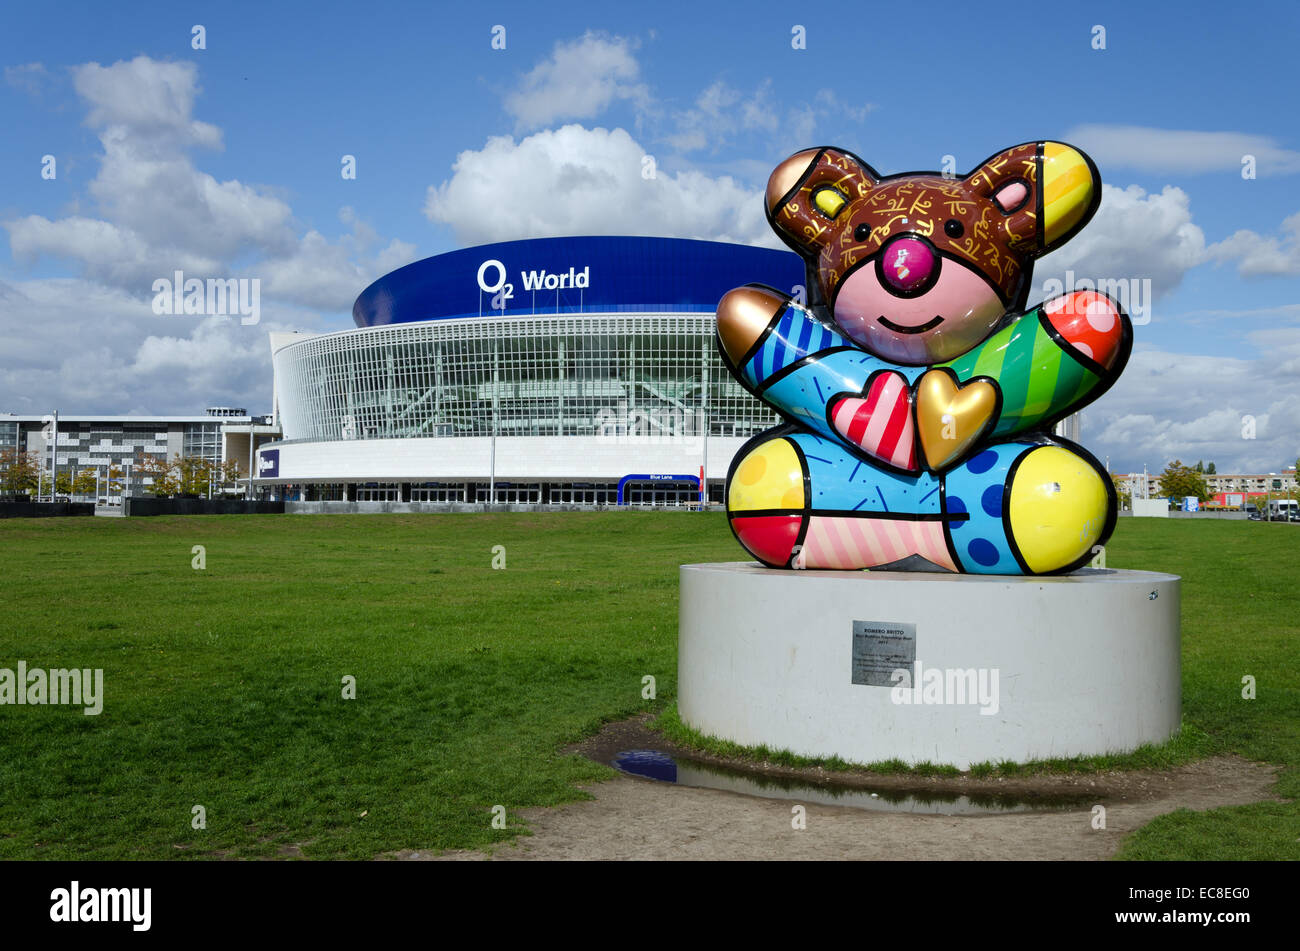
point(921, 267)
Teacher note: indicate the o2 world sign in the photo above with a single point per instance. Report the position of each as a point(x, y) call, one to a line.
point(492, 280)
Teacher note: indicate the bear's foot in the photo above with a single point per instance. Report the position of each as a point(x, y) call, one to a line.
point(797, 501)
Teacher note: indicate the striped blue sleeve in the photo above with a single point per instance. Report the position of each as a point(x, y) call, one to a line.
point(793, 336)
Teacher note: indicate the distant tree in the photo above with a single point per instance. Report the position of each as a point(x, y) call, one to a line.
point(19, 471)
point(84, 482)
point(159, 470)
point(1209, 470)
point(229, 473)
point(1180, 481)
point(63, 483)
point(1200, 467)
point(193, 474)
point(178, 475)
point(100, 480)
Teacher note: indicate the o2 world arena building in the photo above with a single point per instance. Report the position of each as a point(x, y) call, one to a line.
point(548, 371)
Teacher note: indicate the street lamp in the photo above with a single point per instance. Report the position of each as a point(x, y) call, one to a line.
point(250, 459)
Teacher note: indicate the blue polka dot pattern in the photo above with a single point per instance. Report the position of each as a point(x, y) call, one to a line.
point(980, 543)
point(983, 462)
point(983, 552)
point(991, 501)
point(956, 507)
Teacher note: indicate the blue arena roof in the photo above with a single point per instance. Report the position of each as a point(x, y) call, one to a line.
point(572, 276)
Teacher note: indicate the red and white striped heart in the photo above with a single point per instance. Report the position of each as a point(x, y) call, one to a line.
point(880, 421)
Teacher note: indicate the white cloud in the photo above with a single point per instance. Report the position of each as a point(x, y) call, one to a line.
point(124, 359)
point(758, 112)
point(148, 185)
point(834, 106)
point(158, 213)
point(118, 256)
point(722, 113)
point(328, 274)
point(578, 81)
point(573, 180)
point(1174, 405)
point(152, 99)
point(1261, 255)
point(1133, 235)
point(1181, 406)
point(92, 343)
point(718, 113)
point(1289, 311)
point(177, 206)
point(1172, 151)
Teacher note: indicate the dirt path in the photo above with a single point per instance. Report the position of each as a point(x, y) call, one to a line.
point(634, 818)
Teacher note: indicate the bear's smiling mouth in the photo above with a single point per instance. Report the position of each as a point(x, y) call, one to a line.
point(900, 329)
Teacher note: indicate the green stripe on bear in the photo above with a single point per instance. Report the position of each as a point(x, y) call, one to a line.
point(1036, 377)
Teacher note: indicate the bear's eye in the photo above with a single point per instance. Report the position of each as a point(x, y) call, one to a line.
point(829, 201)
point(953, 228)
point(862, 232)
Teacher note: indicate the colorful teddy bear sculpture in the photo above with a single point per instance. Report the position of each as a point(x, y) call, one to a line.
point(918, 394)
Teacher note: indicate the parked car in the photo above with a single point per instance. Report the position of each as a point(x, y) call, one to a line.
point(1282, 510)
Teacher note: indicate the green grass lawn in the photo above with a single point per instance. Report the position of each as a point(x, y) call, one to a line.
point(223, 687)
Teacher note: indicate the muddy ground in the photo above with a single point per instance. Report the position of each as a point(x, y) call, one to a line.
point(632, 818)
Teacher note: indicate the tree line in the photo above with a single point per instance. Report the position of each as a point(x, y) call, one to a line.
point(23, 472)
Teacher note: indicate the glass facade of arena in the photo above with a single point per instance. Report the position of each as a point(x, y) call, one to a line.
point(597, 374)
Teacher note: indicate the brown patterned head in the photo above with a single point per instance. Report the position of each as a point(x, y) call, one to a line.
point(919, 268)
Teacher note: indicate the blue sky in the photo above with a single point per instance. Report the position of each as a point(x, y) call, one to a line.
point(227, 160)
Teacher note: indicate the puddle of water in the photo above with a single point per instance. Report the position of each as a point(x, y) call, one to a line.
point(662, 767)
point(649, 764)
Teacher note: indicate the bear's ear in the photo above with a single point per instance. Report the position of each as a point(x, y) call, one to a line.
point(809, 190)
point(1046, 191)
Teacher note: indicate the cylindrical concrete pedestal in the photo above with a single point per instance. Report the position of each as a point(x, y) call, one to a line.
point(916, 666)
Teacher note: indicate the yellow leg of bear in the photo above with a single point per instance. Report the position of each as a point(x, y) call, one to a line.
point(1059, 508)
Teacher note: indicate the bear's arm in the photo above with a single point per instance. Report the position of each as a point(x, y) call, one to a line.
point(813, 375)
point(1052, 361)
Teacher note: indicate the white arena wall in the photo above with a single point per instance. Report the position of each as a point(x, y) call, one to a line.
point(518, 458)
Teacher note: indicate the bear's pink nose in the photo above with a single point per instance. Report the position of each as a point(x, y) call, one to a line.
point(907, 264)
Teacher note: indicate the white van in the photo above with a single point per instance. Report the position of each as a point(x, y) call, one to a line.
point(1282, 510)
